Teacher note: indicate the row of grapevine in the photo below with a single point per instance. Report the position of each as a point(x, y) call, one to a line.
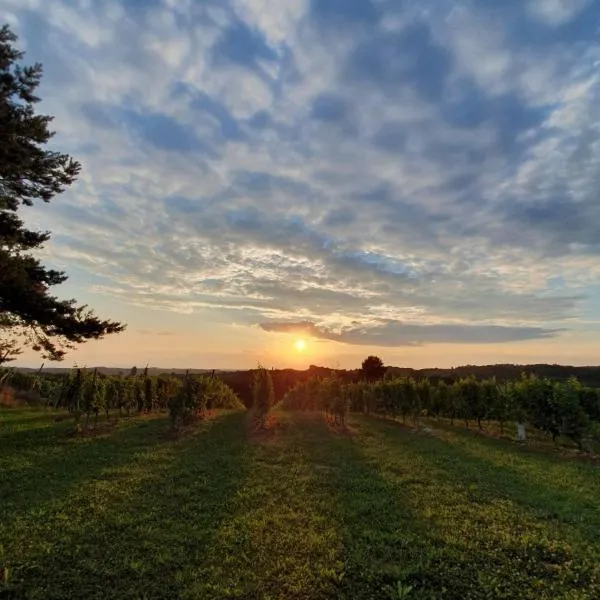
point(263, 395)
point(327, 394)
point(33, 388)
point(196, 395)
point(85, 393)
point(558, 408)
point(89, 393)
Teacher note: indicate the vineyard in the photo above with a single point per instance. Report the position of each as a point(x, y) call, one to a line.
point(300, 180)
point(567, 409)
point(86, 393)
point(393, 488)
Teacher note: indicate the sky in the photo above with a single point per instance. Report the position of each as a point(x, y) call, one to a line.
point(416, 180)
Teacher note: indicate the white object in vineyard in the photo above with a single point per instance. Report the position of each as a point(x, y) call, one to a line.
point(521, 435)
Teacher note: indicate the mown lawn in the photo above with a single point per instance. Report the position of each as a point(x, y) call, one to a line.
point(305, 512)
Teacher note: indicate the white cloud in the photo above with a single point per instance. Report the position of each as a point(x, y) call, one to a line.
point(278, 21)
point(73, 22)
point(395, 205)
point(556, 12)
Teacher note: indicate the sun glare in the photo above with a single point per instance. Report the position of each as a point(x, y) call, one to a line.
point(300, 345)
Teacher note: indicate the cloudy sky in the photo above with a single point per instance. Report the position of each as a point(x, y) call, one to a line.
point(419, 180)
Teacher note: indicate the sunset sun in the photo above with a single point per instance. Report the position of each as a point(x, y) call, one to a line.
point(300, 345)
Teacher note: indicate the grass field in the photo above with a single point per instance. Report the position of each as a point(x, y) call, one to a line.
point(382, 512)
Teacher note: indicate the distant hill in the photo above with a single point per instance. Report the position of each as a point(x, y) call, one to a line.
point(119, 370)
point(589, 374)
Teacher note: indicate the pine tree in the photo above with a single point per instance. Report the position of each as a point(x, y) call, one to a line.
point(29, 173)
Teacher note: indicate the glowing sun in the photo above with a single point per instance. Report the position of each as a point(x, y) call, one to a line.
point(300, 345)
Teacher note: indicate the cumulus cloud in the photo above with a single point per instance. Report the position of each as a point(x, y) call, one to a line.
point(394, 173)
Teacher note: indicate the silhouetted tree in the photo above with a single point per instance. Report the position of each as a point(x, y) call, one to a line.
point(373, 368)
point(29, 173)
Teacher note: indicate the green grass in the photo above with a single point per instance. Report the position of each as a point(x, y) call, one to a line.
point(304, 513)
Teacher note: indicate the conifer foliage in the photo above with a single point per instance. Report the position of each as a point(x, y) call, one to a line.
point(29, 314)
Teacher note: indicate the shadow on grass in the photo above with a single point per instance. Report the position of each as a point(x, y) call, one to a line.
point(22, 416)
point(418, 511)
point(15, 424)
point(41, 465)
point(277, 541)
point(136, 525)
point(30, 435)
point(554, 489)
point(381, 537)
point(495, 526)
point(35, 432)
